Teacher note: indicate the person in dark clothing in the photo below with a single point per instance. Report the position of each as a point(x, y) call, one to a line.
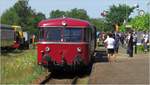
point(117, 37)
point(122, 37)
point(130, 45)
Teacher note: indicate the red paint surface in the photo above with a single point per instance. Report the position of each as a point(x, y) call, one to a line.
point(58, 22)
point(69, 51)
point(16, 45)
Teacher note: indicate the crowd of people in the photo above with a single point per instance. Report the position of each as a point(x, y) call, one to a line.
point(128, 40)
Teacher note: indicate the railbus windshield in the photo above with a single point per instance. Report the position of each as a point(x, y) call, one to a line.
point(53, 34)
point(62, 34)
point(73, 35)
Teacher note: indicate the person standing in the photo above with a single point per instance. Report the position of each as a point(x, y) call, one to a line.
point(122, 39)
point(110, 42)
point(130, 44)
point(135, 42)
point(145, 42)
point(117, 38)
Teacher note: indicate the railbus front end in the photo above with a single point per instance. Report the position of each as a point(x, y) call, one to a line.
point(64, 43)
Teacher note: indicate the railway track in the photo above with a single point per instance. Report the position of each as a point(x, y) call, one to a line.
point(74, 80)
point(55, 79)
point(67, 78)
point(70, 79)
point(46, 79)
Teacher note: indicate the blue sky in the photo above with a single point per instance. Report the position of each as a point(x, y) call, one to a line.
point(93, 7)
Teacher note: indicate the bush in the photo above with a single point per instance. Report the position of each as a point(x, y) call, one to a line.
point(140, 48)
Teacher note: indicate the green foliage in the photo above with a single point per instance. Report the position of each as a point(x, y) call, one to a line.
point(122, 28)
point(117, 14)
point(101, 25)
point(78, 13)
point(57, 13)
point(34, 20)
point(141, 23)
point(10, 17)
point(140, 48)
point(21, 14)
point(74, 13)
point(24, 12)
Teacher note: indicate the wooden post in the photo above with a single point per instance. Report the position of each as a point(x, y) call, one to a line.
point(33, 37)
point(116, 27)
point(33, 40)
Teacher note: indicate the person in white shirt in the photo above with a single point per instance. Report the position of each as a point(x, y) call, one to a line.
point(110, 42)
point(145, 42)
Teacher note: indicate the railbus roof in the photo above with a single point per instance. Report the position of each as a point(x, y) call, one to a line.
point(68, 22)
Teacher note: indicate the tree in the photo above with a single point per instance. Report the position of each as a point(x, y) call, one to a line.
point(57, 13)
point(141, 23)
point(100, 24)
point(10, 17)
point(74, 13)
point(78, 13)
point(21, 14)
point(117, 14)
point(24, 12)
point(34, 20)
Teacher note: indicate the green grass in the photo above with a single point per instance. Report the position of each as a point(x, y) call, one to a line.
point(140, 48)
point(19, 67)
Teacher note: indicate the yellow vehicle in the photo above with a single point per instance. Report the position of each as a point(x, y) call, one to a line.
point(18, 30)
point(20, 37)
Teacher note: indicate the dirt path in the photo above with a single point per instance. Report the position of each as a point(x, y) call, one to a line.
point(126, 70)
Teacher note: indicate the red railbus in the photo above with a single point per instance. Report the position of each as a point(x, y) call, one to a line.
point(65, 43)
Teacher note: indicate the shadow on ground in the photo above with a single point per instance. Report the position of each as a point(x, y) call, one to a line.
point(66, 75)
point(7, 52)
point(101, 56)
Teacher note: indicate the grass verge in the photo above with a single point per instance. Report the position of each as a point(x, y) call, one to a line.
point(19, 67)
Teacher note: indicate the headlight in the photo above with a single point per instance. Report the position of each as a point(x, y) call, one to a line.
point(63, 23)
point(47, 49)
point(41, 51)
point(79, 49)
